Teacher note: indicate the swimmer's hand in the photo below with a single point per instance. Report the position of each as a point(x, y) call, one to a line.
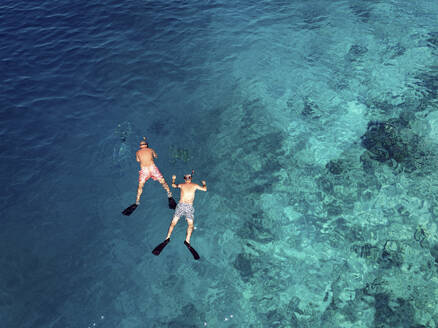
point(204, 186)
point(174, 185)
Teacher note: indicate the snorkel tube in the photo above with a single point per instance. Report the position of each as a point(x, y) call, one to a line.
point(189, 175)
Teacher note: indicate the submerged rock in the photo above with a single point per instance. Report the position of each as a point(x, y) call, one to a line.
point(311, 109)
point(356, 51)
point(366, 250)
point(243, 265)
point(433, 39)
point(396, 144)
point(383, 141)
point(391, 254)
point(334, 167)
point(434, 253)
point(393, 312)
point(396, 50)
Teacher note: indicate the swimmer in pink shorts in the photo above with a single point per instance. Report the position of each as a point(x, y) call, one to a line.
point(145, 156)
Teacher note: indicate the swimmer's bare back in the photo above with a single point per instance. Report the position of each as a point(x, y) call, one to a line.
point(145, 156)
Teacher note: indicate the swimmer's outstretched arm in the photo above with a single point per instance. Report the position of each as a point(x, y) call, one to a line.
point(173, 182)
point(204, 186)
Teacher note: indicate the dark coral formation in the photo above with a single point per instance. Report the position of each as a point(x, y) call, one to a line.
point(356, 51)
point(393, 312)
point(433, 39)
point(394, 143)
point(334, 167)
point(391, 254)
point(383, 141)
point(395, 50)
point(434, 253)
point(311, 109)
point(243, 265)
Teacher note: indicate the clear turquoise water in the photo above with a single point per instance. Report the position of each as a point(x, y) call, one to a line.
point(313, 122)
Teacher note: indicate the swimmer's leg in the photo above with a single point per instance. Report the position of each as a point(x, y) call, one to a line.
point(165, 186)
point(189, 230)
point(139, 191)
point(187, 241)
point(157, 250)
point(171, 202)
point(172, 225)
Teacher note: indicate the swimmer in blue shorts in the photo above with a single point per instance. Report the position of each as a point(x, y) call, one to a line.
point(184, 208)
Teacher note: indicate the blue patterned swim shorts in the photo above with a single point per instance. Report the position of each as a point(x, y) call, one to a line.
point(185, 209)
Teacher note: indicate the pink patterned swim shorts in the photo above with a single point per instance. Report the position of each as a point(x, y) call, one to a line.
point(147, 172)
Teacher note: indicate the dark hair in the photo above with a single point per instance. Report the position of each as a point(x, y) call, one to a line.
point(143, 142)
point(189, 175)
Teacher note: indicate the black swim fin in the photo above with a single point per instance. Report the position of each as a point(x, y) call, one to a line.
point(192, 250)
point(129, 210)
point(157, 250)
point(172, 203)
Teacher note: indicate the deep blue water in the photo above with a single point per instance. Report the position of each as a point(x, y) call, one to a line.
point(313, 122)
